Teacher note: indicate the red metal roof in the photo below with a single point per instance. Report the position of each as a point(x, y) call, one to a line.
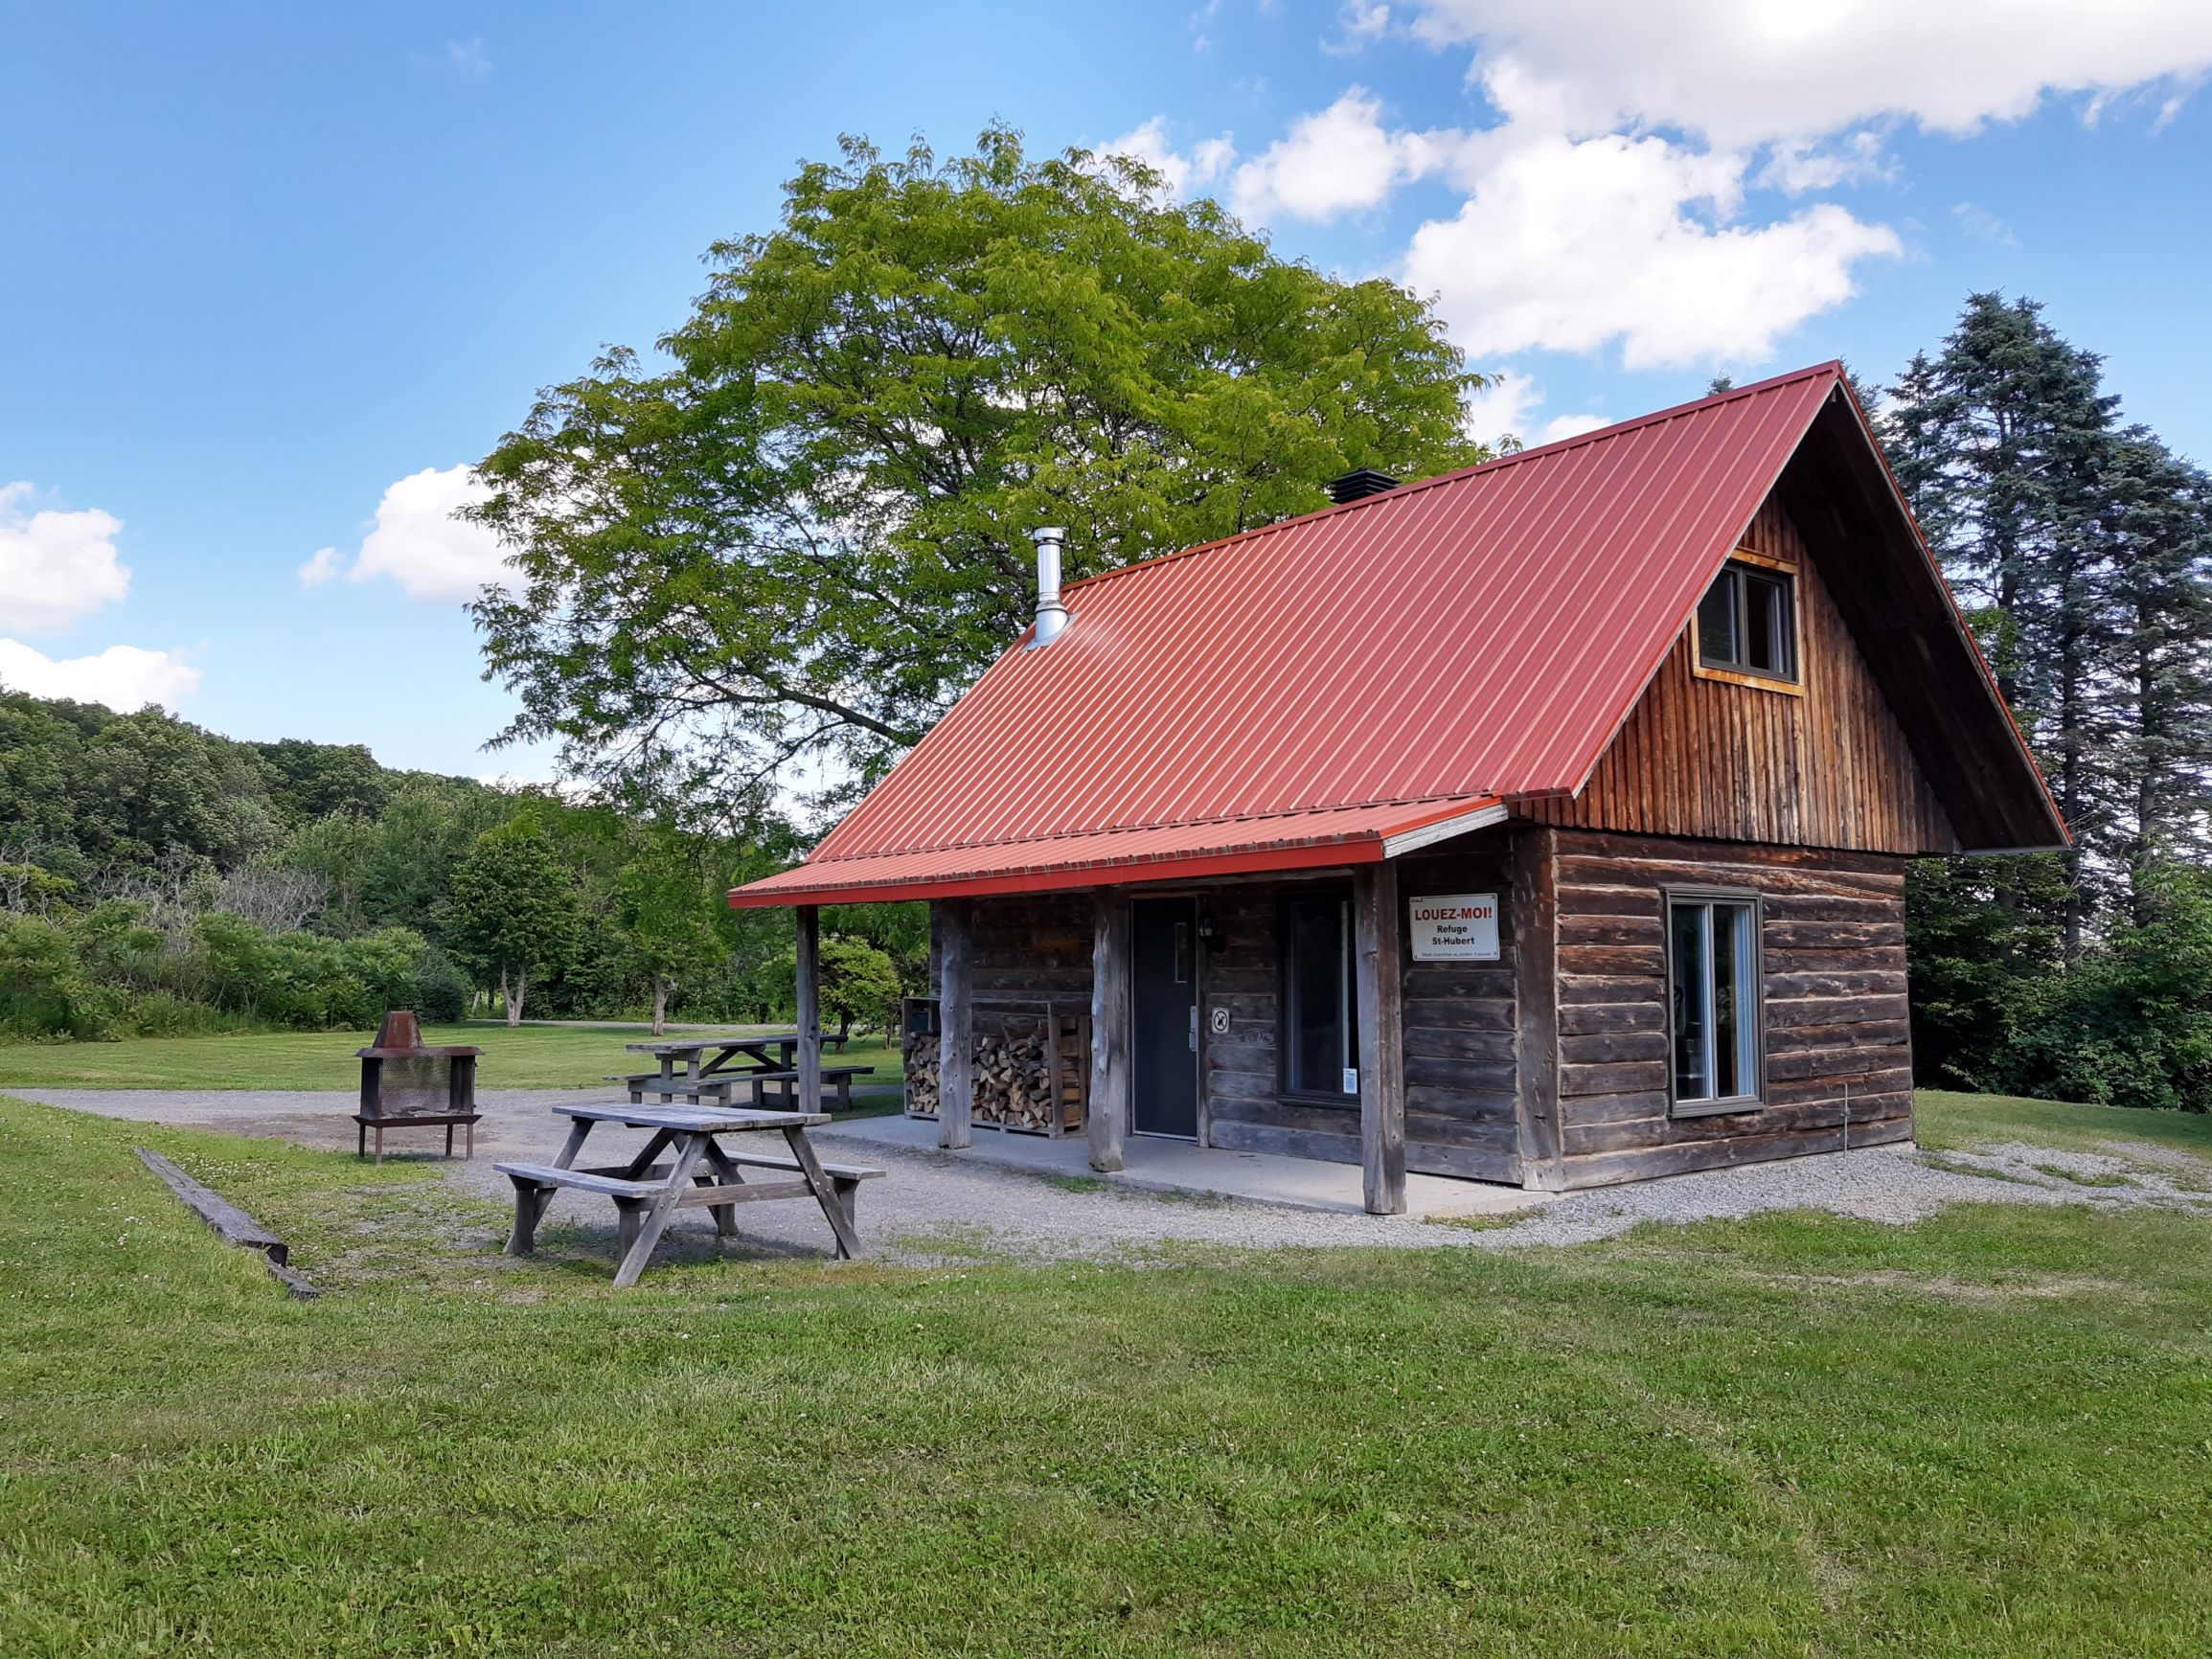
point(1303, 692)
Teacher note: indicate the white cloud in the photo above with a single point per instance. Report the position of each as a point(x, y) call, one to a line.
point(1747, 72)
point(434, 556)
point(1573, 245)
point(54, 567)
point(1561, 427)
point(1612, 202)
point(1502, 408)
point(1978, 221)
point(1506, 407)
point(123, 677)
point(1188, 172)
point(326, 564)
point(466, 60)
point(1339, 160)
point(1358, 22)
point(1799, 165)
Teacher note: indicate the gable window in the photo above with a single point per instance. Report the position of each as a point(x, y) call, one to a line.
point(1320, 1042)
point(1747, 622)
point(1715, 1012)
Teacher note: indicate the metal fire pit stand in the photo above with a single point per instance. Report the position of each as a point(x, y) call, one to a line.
point(400, 1040)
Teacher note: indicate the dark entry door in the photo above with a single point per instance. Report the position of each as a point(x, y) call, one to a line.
point(1164, 1010)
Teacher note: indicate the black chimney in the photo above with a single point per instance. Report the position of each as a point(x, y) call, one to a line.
point(1359, 485)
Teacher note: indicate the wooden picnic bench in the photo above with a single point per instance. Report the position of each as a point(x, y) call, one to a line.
point(647, 1193)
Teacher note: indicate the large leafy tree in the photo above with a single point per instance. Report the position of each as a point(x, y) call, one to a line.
point(805, 534)
point(513, 914)
point(664, 910)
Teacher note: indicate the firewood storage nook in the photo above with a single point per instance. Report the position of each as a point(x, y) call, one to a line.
point(1030, 1061)
point(1543, 823)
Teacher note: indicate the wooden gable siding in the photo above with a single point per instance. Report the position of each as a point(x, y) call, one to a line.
point(1834, 988)
point(1715, 759)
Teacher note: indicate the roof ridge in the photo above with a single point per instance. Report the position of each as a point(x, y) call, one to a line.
point(1496, 464)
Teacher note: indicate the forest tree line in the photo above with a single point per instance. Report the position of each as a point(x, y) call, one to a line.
point(159, 879)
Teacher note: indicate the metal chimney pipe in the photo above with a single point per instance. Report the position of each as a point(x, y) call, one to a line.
point(1051, 614)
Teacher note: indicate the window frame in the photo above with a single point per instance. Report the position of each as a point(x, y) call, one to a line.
point(1756, 1099)
point(1286, 996)
point(1792, 683)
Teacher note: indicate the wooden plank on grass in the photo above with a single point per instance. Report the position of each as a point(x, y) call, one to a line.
point(229, 1223)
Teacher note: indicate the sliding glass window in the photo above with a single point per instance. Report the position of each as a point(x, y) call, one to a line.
point(1713, 984)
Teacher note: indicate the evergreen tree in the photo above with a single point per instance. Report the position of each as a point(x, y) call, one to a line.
point(2003, 444)
point(2161, 691)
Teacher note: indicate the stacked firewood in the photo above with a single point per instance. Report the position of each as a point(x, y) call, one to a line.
point(921, 1055)
point(1013, 1080)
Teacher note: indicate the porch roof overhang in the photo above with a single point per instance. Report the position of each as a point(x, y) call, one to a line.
point(1319, 839)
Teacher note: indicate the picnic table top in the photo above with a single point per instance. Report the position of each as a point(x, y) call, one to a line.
point(692, 1046)
point(694, 1120)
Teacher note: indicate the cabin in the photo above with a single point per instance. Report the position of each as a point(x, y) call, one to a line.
point(1543, 823)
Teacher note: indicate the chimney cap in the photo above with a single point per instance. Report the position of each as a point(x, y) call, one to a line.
point(1359, 485)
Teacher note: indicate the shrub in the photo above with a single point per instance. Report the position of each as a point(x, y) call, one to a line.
point(43, 990)
point(441, 992)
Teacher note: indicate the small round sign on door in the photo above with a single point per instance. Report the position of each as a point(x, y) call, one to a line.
point(1218, 1021)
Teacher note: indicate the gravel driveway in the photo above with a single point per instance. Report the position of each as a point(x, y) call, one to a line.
point(936, 1207)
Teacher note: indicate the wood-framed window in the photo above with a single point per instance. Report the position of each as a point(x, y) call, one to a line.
point(1716, 1003)
point(1746, 629)
point(1319, 1042)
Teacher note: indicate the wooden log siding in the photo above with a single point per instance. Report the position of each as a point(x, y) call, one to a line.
point(1458, 1041)
point(1710, 758)
point(1461, 1028)
point(1833, 938)
point(1032, 945)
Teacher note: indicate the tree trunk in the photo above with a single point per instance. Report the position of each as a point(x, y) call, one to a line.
point(513, 997)
point(660, 1004)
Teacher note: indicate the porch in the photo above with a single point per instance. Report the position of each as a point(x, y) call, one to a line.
point(1156, 1164)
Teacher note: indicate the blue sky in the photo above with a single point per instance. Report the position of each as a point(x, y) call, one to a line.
point(269, 272)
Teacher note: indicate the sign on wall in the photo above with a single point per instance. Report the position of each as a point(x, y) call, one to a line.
point(1455, 928)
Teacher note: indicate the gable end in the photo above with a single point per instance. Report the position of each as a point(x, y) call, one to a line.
point(1821, 762)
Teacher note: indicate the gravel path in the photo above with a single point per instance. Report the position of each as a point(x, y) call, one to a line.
point(936, 1208)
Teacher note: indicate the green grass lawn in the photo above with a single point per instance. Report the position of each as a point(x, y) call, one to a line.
point(1945, 1122)
point(531, 1056)
point(1991, 1433)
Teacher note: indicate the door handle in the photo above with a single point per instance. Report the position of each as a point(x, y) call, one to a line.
point(1194, 1028)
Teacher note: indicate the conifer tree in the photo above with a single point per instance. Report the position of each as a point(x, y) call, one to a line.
point(2004, 443)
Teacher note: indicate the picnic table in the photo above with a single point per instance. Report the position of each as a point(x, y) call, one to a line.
point(756, 1061)
point(647, 1193)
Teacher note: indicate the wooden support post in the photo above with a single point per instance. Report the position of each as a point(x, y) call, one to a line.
point(1375, 931)
point(1108, 1119)
point(1536, 909)
point(957, 1016)
point(809, 1057)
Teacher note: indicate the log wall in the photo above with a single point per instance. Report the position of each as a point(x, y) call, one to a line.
point(1458, 1044)
point(1035, 944)
point(1832, 940)
point(1717, 758)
